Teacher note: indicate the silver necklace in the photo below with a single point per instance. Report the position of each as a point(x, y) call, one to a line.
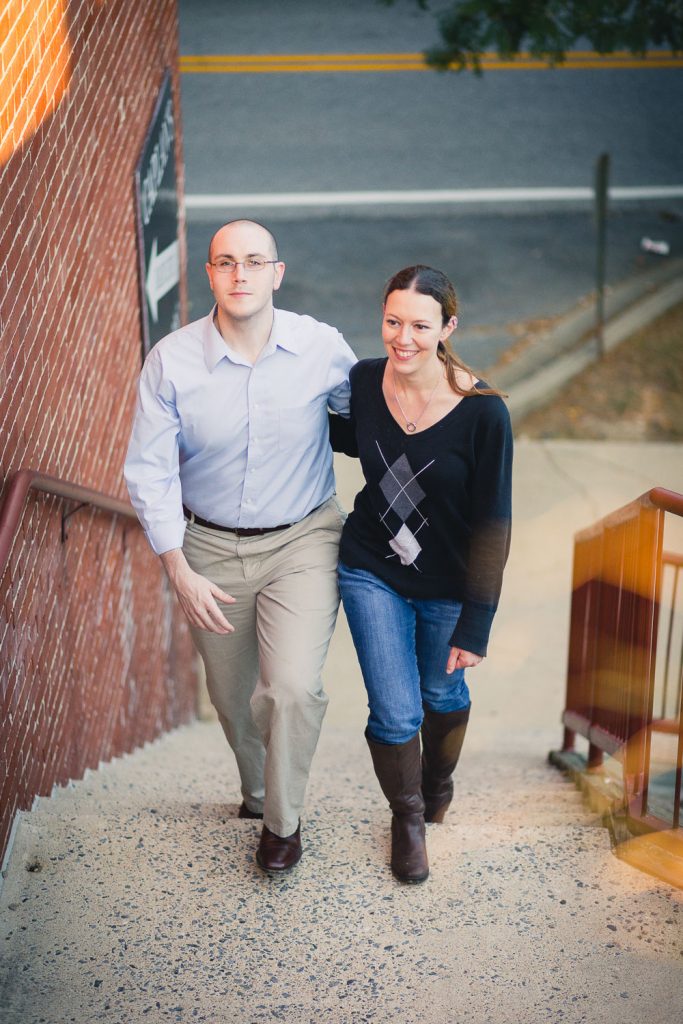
point(411, 425)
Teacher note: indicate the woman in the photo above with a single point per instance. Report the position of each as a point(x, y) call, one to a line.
point(422, 553)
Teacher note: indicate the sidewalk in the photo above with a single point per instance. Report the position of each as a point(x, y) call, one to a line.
point(538, 368)
point(133, 895)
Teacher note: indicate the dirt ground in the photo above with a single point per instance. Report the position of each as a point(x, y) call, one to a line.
point(634, 394)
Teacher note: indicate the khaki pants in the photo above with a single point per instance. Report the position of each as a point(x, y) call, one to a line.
point(265, 678)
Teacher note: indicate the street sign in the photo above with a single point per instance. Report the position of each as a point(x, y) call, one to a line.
point(157, 223)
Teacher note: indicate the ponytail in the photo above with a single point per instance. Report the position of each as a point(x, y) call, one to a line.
point(452, 364)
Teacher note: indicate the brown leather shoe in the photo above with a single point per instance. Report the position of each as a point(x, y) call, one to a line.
point(278, 853)
point(244, 812)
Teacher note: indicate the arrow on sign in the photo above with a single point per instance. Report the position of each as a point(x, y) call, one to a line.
point(162, 275)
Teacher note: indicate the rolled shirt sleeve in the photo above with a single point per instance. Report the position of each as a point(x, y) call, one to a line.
point(342, 359)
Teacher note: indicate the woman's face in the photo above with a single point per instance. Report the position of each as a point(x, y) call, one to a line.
point(412, 329)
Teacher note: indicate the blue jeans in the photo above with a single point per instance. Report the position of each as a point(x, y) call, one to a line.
point(402, 645)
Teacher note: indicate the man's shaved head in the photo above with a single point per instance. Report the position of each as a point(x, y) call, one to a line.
point(270, 246)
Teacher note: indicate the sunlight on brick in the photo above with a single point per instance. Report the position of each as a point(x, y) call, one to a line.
point(35, 67)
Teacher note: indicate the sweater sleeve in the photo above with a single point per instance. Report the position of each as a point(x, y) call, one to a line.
point(490, 537)
point(343, 434)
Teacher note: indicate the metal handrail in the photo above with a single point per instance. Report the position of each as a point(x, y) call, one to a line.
point(668, 501)
point(25, 480)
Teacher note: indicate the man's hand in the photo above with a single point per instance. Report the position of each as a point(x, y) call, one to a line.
point(196, 594)
point(461, 659)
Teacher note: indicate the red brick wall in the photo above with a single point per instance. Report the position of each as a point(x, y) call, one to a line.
point(95, 657)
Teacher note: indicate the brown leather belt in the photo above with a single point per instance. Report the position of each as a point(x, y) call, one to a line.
point(251, 531)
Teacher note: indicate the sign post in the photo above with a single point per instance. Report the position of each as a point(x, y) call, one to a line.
point(157, 224)
point(601, 187)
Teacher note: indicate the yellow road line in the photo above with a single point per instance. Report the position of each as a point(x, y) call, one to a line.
point(293, 63)
point(266, 57)
point(243, 69)
point(351, 58)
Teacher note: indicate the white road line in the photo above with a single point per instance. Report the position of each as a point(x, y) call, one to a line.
point(455, 196)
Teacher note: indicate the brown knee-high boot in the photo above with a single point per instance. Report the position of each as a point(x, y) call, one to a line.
point(398, 769)
point(442, 739)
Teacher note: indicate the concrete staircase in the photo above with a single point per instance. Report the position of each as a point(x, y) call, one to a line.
point(133, 894)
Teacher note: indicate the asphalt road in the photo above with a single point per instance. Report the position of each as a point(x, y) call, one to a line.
point(283, 132)
point(304, 26)
point(425, 130)
point(507, 268)
point(304, 132)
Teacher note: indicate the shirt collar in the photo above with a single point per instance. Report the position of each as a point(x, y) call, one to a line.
point(283, 334)
point(215, 349)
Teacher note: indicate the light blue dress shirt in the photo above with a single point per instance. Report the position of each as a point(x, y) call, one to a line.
point(239, 445)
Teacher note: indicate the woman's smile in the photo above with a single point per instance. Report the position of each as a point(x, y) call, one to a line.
point(404, 354)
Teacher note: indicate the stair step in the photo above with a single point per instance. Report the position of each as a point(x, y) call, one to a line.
point(193, 767)
point(137, 888)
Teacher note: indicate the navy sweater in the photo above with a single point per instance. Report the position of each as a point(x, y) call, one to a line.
point(433, 520)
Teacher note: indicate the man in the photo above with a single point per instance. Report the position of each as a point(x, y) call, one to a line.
point(229, 468)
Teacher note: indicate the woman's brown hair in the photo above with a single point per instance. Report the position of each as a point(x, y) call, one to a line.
point(428, 281)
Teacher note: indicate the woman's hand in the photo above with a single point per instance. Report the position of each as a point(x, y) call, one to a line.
point(461, 659)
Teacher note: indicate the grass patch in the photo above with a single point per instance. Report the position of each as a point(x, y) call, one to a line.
point(634, 394)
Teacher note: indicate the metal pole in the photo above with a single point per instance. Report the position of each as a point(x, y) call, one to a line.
point(601, 186)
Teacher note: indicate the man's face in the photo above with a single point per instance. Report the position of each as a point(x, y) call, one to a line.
point(242, 293)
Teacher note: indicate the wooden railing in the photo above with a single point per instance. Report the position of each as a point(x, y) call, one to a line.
point(617, 632)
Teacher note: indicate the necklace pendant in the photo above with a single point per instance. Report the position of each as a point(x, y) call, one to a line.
point(411, 425)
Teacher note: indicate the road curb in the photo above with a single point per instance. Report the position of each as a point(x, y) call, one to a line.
point(555, 357)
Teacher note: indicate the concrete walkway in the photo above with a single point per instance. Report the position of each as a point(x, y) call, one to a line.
point(133, 895)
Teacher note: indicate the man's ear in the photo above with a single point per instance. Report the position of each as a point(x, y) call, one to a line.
point(279, 269)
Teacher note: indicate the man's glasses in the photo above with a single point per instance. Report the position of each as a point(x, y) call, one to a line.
point(250, 263)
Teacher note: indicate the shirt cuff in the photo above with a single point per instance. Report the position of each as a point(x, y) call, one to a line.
point(166, 537)
point(339, 400)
